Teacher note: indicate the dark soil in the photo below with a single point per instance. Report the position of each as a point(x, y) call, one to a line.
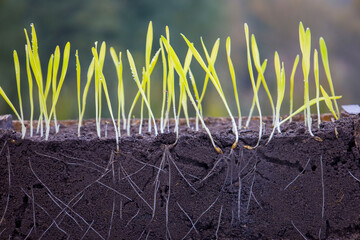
point(79, 188)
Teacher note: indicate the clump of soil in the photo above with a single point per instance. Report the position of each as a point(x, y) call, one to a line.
point(80, 188)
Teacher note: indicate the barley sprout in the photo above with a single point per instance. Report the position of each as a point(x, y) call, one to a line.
point(136, 79)
point(325, 60)
point(149, 41)
point(233, 78)
point(215, 80)
point(246, 28)
point(165, 93)
point(258, 83)
point(176, 62)
point(28, 71)
point(120, 91)
point(103, 83)
point(305, 46)
point(256, 58)
point(317, 85)
point(292, 84)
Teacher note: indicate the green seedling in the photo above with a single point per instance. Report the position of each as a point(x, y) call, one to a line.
point(258, 83)
point(170, 93)
point(36, 69)
point(213, 56)
point(66, 56)
point(82, 102)
point(215, 80)
point(98, 86)
point(280, 80)
point(317, 84)
point(32, 52)
point(102, 80)
point(140, 87)
point(143, 85)
point(7, 100)
point(30, 82)
point(54, 82)
point(233, 78)
point(120, 90)
point(197, 97)
point(164, 89)
point(149, 41)
point(183, 95)
point(292, 84)
point(305, 46)
point(78, 78)
point(325, 60)
point(256, 58)
point(179, 69)
point(255, 90)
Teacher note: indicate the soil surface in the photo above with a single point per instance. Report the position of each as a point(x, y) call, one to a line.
point(295, 187)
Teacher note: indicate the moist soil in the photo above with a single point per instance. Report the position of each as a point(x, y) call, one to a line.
point(295, 187)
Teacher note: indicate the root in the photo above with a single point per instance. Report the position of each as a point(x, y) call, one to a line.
point(33, 207)
point(182, 175)
point(28, 235)
point(87, 230)
point(354, 176)
point(298, 230)
point(297, 175)
point(133, 217)
point(211, 205)
point(219, 221)
point(134, 173)
point(187, 215)
point(213, 168)
point(323, 188)
point(65, 212)
point(114, 190)
point(167, 205)
point(251, 193)
point(66, 205)
point(96, 168)
point(2, 231)
point(239, 199)
point(112, 218)
point(134, 186)
point(58, 227)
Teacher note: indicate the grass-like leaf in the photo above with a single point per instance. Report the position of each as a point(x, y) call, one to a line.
point(103, 83)
point(255, 90)
point(215, 80)
point(317, 84)
point(233, 78)
point(305, 46)
point(136, 78)
point(179, 69)
point(164, 89)
point(303, 107)
point(120, 90)
point(325, 60)
point(30, 82)
point(256, 58)
point(258, 83)
point(292, 84)
point(328, 101)
point(78, 78)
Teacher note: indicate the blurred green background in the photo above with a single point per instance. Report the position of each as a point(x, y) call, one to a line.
point(123, 24)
